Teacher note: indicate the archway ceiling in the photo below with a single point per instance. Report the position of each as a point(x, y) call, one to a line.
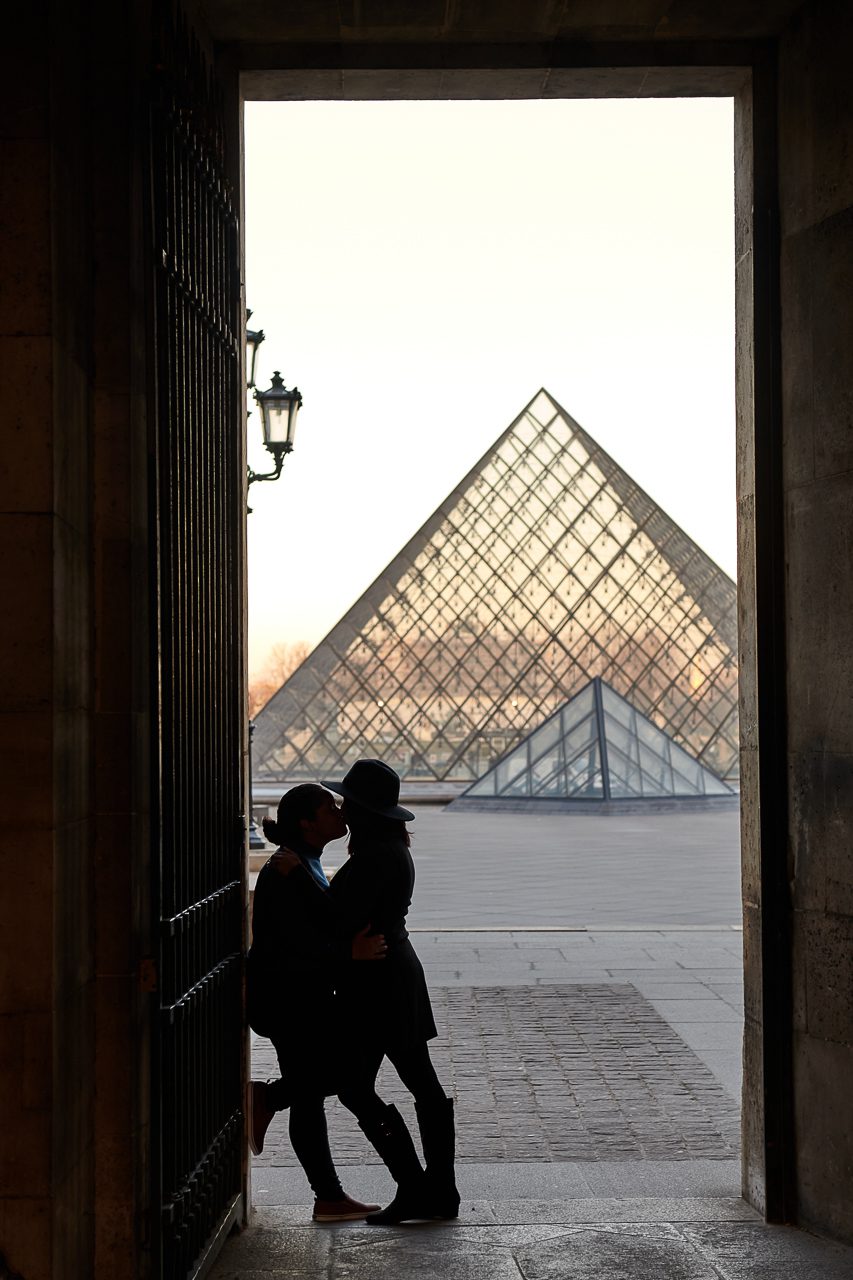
point(506, 21)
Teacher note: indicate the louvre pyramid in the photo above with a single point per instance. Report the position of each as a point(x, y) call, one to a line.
point(547, 565)
point(596, 747)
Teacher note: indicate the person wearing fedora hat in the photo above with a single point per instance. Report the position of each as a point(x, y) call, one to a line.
point(386, 1007)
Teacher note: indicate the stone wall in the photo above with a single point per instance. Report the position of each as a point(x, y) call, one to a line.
point(816, 199)
point(46, 1087)
point(73, 647)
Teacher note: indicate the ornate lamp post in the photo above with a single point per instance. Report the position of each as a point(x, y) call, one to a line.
point(279, 409)
point(254, 338)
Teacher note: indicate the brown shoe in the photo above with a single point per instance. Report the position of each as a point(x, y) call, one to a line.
point(344, 1210)
point(260, 1116)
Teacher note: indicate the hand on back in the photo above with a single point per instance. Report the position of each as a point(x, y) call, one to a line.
point(284, 861)
point(367, 946)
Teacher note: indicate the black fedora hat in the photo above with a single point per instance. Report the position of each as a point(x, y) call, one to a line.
point(375, 786)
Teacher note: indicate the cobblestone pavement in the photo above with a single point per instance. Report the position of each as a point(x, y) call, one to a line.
point(557, 1072)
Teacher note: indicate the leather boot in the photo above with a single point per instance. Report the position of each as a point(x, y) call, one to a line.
point(438, 1136)
point(393, 1143)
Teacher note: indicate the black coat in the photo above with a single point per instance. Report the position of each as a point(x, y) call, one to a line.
point(299, 947)
point(387, 1002)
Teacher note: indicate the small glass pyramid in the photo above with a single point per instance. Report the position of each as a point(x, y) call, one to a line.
point(597, 747)
point(545, 566)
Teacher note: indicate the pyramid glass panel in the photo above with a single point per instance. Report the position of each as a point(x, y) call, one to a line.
point(545, 567)
point(612, 752)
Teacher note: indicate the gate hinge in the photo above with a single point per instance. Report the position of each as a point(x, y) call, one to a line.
point(148, 974)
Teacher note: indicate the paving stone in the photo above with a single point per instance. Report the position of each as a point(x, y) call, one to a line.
point(420, 1252)
point(738, 1251)
point(711, 1036)
point(686, 990)
point(282, 1250)
point(640, 1239)
point(225, 1271)
point(668, 1178)
point(587, 1071)
point(615, 1252)
point(600, 1209)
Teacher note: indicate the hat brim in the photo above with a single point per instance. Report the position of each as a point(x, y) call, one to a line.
point(393, 811)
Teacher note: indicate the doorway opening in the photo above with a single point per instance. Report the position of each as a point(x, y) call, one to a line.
point(625, 927)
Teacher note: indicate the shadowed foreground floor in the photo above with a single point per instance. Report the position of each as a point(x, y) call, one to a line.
point(569, 1240)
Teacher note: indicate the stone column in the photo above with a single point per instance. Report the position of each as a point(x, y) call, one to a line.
point(816, 207)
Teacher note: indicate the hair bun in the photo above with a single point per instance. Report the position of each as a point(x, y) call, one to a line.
point(271, 830)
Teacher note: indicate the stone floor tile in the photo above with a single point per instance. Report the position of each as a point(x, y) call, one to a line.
point(281, 1215)
point(449, 1237)
point(711, 1036)
point(274, 1274)
point(615, 1252)
point(780, 1270)
point(592, 1210)
point(421, 1253)
point(655, 1178)
point(292, 1251)
point(655, 971)
point(653, 989)
point(734, 1247)
point(693, 1010)
point(609, 1239)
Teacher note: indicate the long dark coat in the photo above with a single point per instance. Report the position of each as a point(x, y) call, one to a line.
point(386, 1002)
point(298, 949)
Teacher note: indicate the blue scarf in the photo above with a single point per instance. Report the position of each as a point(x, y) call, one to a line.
point(316, 870)
point(311, 861)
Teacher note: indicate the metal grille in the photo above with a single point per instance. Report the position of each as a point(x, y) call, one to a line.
point(198, 502)
point(546, 566)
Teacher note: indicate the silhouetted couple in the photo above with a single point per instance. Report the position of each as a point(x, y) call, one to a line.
point(335, 984)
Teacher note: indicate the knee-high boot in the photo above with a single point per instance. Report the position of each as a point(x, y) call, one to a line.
point(438, 1136)
point(393, 1142)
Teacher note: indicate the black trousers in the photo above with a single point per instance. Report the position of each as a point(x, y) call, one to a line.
point(307, 1081)
point(308, 1050)
point(413, 1065)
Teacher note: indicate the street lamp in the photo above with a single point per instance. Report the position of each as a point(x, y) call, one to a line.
point(279, 408)
point(254, 338)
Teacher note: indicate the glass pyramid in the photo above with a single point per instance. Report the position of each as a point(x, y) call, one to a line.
point(547, 565)
point(597, 747)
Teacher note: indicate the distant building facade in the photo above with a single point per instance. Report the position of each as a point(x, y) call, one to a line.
point(545, 567)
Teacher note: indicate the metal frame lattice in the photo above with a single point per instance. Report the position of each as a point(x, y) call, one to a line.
point(546, 566)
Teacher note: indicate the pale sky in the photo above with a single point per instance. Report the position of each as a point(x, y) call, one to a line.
point(421, 269)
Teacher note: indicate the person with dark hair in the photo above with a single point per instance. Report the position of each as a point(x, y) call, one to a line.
point(386, 1007)
point(299, 946)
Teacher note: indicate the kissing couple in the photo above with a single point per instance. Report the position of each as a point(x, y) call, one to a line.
point(334, 982)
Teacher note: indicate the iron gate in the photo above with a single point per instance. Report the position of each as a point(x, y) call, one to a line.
point(198, 505)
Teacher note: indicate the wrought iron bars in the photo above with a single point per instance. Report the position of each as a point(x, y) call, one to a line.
point(198, 502)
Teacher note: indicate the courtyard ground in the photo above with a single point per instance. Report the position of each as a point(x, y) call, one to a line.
point(587, 979)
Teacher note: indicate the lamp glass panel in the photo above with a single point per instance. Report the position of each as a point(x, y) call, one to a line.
point(294, 411)
point(276, 421)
